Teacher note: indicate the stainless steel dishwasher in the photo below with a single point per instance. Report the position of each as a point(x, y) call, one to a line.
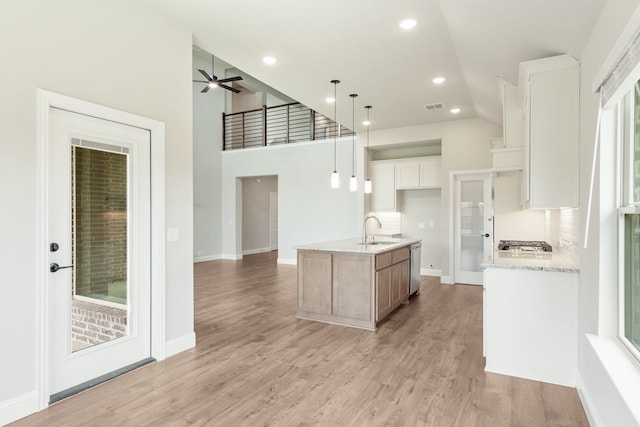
point(414, 287)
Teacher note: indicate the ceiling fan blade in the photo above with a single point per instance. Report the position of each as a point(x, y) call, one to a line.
point(232, 89)
point(200, 81)
point(205, 90)
point(207, 76)
point(230, 79)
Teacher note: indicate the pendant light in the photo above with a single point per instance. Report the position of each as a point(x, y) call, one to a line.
point(353, 182)
point(367, 182)
point(335, 176)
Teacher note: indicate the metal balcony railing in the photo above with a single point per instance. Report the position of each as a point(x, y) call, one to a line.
point(281, 124)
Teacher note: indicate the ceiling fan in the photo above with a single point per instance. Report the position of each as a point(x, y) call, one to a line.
point(213, 82)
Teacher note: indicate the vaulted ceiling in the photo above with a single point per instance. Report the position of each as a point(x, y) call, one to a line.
point(359, 42)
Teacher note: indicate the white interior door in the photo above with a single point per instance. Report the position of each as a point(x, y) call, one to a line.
point(273, 220)
point(473, 226)
point(99, 254)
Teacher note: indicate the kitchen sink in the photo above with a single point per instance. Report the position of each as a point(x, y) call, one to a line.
point(377, 243)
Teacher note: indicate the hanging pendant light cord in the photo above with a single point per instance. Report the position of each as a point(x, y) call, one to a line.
point(353, 133)
point(335, 120)
point(366, 171)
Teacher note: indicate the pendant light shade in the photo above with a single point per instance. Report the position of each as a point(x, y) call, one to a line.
point(335, 176)
point(353, 182)
point(335, 179)
point(367, 186)
point(367, 183)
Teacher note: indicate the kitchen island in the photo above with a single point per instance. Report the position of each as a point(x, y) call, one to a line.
point(349, 283)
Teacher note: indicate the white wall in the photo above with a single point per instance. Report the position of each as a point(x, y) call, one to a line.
point(423, 207)
point(256, 224)
point(605, 403)
point(510, 221)
point(309, 210)
point(465, 146)
point(117, 54)
point(207, 145)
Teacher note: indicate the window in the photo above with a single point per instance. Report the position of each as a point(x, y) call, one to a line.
point(629, 222)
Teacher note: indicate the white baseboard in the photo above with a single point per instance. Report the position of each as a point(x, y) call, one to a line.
point(584, 398)
point(180, 344)
point(207, 258)
point(18, 407)
point(430, 272)
point(255, 251)
point(288, 261)
point(448, 280)
point(231, 256)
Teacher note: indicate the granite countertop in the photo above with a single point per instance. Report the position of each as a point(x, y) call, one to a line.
point(526, 261)
point(354, 246)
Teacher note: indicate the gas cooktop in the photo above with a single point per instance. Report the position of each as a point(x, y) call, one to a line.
point(524, 245)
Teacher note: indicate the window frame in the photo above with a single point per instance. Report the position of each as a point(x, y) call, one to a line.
point(626, 205)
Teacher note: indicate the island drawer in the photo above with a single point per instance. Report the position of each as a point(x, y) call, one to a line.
point(383, 260)
point(399, 255)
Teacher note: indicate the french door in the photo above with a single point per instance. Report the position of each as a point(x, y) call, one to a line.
point(473, 226)
point(99, 248)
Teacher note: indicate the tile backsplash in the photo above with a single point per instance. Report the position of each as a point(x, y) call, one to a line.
point(391, 223)
point(561, 230)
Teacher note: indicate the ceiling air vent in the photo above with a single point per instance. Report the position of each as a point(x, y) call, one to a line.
point(437, 106)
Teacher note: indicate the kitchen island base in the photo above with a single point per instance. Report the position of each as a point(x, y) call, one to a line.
point(357, 289)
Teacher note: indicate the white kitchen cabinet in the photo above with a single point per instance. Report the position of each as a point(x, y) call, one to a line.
point(431, 172)
point(550, 91)
point(407, 174)
point(383, 195)
point(419, 172)
point(531, 324)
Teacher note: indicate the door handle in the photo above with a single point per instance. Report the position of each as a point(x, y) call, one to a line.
point(486, 235)
point(54, 266)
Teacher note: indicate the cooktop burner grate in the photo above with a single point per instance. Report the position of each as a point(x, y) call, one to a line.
point(524, 245)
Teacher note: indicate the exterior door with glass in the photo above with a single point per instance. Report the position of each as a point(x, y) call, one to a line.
point(473, 226)
point(99, 248)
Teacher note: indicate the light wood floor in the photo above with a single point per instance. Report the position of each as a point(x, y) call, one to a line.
point(256, 365)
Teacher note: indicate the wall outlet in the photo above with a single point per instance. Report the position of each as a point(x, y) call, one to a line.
point(421, 225)
point(432, 223)
point(173, 234)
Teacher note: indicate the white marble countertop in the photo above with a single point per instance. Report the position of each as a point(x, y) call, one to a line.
point(527, 261)
point(355, 246)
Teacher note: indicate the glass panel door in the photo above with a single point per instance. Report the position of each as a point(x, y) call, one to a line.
point(99, 217)
point(473, 227)
point(99, 243)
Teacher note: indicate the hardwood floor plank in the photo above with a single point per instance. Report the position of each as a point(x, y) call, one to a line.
point(255, 364)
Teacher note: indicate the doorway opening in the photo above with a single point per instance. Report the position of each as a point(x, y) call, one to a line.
point(75, 138)
point(259, 214)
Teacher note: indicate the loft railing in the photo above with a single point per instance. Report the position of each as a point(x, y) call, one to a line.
point(281, 124)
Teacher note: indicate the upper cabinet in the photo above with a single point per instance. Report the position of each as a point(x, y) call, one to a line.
point(420, 172)
point(387, 176)
point(383, 195)
point(549, 89)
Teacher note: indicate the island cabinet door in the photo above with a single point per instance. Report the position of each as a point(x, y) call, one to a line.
point(405, 277)
point(383, 293)
point(352, 286)
point(314, 282)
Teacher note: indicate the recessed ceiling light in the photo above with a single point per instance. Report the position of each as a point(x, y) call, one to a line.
point(366, 123)
point(269, 60)
point(455, 110)
point(438, 80)
point(330, 99)
point(407, 24)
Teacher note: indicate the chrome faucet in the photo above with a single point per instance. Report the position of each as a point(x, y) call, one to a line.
point(364, 227)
